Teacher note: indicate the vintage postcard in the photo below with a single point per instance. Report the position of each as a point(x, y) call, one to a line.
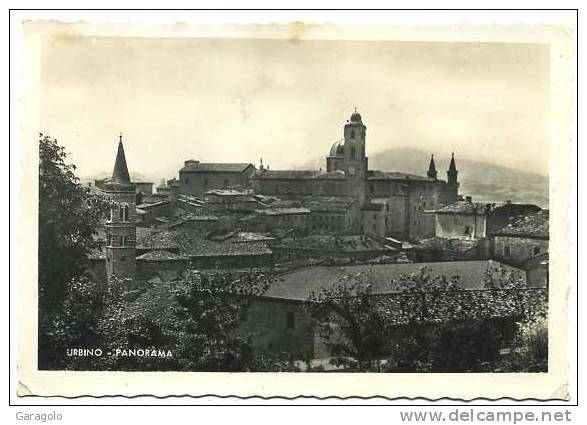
point(285, 209)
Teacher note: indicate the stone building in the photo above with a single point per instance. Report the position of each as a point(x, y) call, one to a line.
point(526, 237)
point(197, 177)
point(384, 203)
point(279, 324)
point(476, 220)
point(121, 224)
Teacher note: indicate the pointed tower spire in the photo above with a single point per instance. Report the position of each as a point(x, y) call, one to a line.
point(452, 166)
point(432, 174)
point(452, 171)
point(120, 172)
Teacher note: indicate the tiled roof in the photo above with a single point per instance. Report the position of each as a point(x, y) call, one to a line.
point(146, 205)
point(160, 255)
point(392, 175)
point(241, 237)
point(228, 192)
point(299, 284)
point(353, 243)
point(328, 203)
point(206, 248)
point(283, 211)
point(298, 174)
point(192, 244)
point(449, 244)
point(482, 208)
point(464, 207)
point(224, 167)
point(531, 225)
point(162, 240)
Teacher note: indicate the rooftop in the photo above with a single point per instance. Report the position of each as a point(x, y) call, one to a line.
point(191, 243)
point(298, 174)
point(482, 208)
point(223, 167)
point(299, 284)
point(283, 211)
point(160, 255)
point(392, 175)
point(227, 192)
point(328, 203)
point(531, 225)
point(351, 243)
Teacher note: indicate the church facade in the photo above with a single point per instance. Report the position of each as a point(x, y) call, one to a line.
point(379, 203)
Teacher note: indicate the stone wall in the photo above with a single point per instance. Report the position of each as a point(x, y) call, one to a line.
point(517, 251)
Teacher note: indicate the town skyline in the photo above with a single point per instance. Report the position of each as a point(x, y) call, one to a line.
point(204, 113)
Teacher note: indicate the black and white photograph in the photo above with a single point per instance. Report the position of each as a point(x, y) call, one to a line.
point(293, 204)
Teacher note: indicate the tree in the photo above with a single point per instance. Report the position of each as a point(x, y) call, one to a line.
point(421, 322)
point(196, 320)
point(348, 321)
point(530, 343)
point(68, 220)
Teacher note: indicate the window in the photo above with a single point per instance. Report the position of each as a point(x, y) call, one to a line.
point(226, 182)
point(352, 134)
point(536, 250)
point(124, 212)
point(290, 320)
point(467, 230)
point(186, 181)
point(123, 241)
point(353, 152)
point(206, 182)
point(507, 251)
point(372, 188)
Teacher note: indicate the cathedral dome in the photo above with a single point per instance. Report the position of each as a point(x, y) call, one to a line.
point(356, 117)
point(338, 148)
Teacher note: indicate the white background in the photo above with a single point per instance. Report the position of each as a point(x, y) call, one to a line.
point(248, 414)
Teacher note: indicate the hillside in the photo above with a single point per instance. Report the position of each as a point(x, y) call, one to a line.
point(484, 181)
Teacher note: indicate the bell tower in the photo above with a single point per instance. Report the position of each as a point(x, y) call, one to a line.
point(355, 160)
point(121, 224)
point(451, 192)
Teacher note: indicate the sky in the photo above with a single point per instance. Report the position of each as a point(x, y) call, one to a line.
point(286, 101)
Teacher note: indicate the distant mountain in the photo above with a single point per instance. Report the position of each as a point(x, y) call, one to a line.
point(482, 180)
point(134, 176)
